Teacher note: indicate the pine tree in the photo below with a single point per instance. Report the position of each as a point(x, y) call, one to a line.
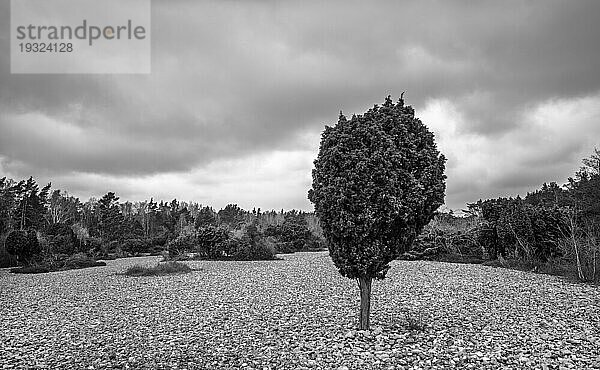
point(32, 207)
point(110, 217)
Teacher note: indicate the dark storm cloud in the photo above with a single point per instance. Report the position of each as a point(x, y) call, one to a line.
point(230, 79)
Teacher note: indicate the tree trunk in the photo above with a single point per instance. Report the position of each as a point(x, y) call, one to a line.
point(364, 284)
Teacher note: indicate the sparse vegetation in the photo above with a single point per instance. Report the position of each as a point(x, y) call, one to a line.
point(448, 239)
point(416, 322)
point(293, 308)
point(164, 268)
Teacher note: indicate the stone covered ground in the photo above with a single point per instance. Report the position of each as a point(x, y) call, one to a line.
point(296, 313)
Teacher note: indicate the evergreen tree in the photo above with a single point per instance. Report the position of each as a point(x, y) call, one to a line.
point(377, 181)
point(23, 244)
point(9, 191)
point(32, 207)
point(206, 217)
point(110, 218)
point(231, 216)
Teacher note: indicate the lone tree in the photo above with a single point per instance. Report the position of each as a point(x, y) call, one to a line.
point(377, 181)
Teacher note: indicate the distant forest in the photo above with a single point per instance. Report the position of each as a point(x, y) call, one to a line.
point(108, 228)
point(556, 227)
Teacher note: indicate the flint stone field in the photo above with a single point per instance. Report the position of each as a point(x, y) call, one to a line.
point(296, 313)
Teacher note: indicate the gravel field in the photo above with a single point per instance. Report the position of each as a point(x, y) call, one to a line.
point(296, 313)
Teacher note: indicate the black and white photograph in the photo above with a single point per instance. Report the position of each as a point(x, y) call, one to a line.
point(299, 185)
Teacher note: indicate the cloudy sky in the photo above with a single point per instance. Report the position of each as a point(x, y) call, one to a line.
point(240, 91)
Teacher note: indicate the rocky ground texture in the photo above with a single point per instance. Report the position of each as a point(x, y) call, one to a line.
point(296, 313)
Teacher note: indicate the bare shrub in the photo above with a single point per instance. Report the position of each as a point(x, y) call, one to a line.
point(580, 245)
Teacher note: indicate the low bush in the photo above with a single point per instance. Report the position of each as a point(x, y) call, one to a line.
point(212, 243)
point(247, 249)
point(181, 245)
point(35, 269)
point(217, 243)
point(166, 268)
point(294, 236)
point(79, 261)
point(136, 246)
point(51, 263)
point(446, 241)
point(251, 246)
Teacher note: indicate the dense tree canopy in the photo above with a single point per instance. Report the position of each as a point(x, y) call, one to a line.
point(23, 244)
point(377, 181)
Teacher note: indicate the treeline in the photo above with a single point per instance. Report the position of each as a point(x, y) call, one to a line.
point(40, 225)
point(555, 228)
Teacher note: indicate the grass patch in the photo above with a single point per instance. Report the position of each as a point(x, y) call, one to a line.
point(166, 268)
point(416, 323)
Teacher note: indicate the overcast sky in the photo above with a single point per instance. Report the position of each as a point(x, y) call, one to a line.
point(240, 91)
